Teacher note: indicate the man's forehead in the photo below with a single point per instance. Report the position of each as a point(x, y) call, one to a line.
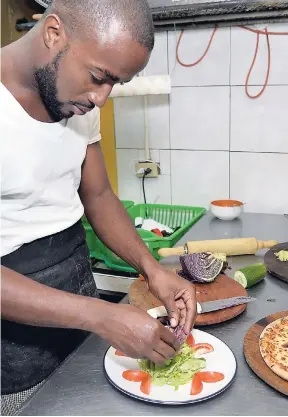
point(118, 62)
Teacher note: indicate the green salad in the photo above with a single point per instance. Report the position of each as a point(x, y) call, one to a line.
point(177, 371)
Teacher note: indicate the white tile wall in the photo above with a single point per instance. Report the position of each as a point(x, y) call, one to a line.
point(243, 45)
point(213, 70)
point(158, 64)
point(129, 122)
point(199, 177)
point(210, 139)
point(158, 121)
point(128, 183)
point(158, 190)
point(200, 118)
point(260, 180)
point(260, 125)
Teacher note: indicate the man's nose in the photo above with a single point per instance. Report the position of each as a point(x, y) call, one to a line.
point(100, 96)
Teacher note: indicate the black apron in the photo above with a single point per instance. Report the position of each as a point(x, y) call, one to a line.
point(30, 354)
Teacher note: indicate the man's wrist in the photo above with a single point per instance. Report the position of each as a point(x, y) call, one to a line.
point(150, 268)
point(94, 314)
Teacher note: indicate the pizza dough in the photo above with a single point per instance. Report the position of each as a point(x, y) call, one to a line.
point(274, 346)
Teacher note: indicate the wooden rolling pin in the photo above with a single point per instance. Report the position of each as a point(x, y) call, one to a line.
point(37, 16)
point(238, 246)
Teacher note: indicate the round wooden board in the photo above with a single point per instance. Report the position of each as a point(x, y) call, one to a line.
point(275, 267)
point(254, 358)
point(222, 287)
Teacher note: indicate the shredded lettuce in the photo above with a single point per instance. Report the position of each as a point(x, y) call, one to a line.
point(176, 371)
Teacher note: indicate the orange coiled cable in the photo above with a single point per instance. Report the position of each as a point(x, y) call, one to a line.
point(263, 32)
point(252, 66)
point(198, 60)
point(258, 33)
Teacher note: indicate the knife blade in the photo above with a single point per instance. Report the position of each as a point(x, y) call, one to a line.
point(206, 307)
point(215, 305)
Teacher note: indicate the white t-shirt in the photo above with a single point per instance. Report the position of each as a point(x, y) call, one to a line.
point(40, 172)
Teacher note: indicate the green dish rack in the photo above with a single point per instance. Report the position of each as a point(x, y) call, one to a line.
point(181, 217)
point(96, 248)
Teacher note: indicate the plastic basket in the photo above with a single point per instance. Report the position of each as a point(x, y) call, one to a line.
point(173, 216)
point(96, 248)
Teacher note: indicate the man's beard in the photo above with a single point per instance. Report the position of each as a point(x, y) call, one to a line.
point(46, 82)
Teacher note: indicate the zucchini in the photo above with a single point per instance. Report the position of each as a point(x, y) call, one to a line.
point(250, 275)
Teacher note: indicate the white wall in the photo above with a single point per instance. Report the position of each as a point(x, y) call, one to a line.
point(211, 140)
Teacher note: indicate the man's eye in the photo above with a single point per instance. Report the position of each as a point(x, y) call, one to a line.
point(96, 80)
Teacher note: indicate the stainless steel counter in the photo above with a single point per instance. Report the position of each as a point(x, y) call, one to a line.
point(79, 386)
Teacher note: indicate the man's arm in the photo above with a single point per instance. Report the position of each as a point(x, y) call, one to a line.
point(114, 227)
point(125, 327)
point(29, 302)
point(108, 217)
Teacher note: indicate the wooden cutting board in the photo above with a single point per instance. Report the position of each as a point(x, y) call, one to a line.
point(222, 287)
point(275, 267)
point(254, 358)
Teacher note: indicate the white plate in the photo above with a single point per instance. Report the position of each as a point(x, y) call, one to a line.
point(220, 360)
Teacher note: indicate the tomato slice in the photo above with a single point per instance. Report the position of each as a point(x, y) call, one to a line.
point(202, 348)
point(134, 375)
point(211, 376)
point(190, 340)
point(118, 353)
point(145, 386)
point(196, 385)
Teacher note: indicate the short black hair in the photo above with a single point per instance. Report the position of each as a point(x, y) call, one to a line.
point(134, 17)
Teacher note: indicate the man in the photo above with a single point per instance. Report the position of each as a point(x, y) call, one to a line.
point(52, 166)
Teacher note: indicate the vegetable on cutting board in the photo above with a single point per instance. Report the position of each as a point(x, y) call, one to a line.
point(282, 255)
point(250, 275)
point(202, 267)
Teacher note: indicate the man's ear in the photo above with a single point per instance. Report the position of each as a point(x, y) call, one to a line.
point(54, 34)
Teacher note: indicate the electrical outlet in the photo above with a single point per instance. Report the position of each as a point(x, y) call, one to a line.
point(141, 166)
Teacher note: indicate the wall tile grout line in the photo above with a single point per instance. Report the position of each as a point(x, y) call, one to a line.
point(169, 116)
point(227, 85)
point(230, 108)
point(208, 150)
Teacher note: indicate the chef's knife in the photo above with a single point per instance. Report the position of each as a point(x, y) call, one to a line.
point(206, 307)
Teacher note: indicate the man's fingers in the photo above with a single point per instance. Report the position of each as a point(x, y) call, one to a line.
point(173, 312)
point(182, 317)
point(182, 308)
point(168, 337)
point(190, 303)
point(157, 358)
point(180, 304)
point(190, 316)
point(165, 350)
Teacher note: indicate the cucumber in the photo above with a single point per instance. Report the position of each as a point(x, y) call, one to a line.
point(250, 275)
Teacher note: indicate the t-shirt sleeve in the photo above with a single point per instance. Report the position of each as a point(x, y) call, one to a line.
point(95, 134)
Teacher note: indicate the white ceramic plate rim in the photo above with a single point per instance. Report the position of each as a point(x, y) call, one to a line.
point(155, 401)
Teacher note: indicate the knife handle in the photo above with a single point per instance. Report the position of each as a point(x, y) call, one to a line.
point(161, 311)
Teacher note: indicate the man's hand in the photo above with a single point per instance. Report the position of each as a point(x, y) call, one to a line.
point(177, 295)
point(135, 333)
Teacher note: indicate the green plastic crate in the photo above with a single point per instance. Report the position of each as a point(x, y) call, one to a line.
point(96, 248)
point(172, 216)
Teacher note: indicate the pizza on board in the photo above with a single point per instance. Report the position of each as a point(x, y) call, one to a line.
point(274, 346)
